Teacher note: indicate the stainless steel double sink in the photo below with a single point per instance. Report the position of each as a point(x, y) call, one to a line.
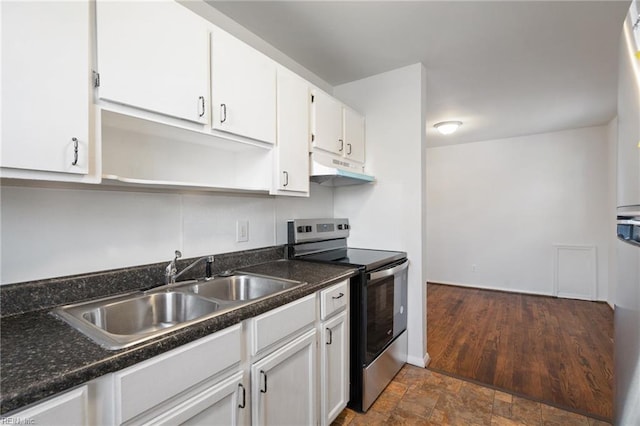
point(121, 321)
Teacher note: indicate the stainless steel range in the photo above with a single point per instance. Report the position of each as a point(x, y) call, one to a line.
point(378, 302)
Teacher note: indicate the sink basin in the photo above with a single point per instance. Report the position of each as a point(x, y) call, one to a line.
point(149, 313)
point(121, 321)
point(240, 288)
point(126, 320)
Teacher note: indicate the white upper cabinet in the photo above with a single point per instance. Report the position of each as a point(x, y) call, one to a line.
point(45, 86)
point(292, 152)
point(154, 56)
point(337, 128)
point(243, 89)
point(326, 115)
point(353, 135)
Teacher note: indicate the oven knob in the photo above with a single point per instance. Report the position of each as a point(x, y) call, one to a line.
point(308, 229)
point(300, 228)
point(339, 226)
point(346, 226)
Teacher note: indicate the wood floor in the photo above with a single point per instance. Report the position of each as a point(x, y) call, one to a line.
point(558, 351)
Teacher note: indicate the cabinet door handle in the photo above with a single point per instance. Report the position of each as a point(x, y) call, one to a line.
point(201, 98)
point(338, 296)
point(263, 374)
point(244, 396)
point(223, 113)
point(286, 178)
point(348, 149)
point(341, 145)
point(75, 152)
point(330, 336)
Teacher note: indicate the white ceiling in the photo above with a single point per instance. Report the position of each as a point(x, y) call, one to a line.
point(504, 68)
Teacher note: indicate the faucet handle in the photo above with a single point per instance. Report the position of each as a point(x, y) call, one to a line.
point(178, 255)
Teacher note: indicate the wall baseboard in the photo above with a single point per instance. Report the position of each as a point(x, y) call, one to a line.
point(419, 362)
point(496, 288)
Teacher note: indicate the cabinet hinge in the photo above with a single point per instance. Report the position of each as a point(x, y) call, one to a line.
point(313, 137)
point(96, 79)
point(313, 98)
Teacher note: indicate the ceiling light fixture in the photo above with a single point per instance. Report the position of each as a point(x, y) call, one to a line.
point(447, 127)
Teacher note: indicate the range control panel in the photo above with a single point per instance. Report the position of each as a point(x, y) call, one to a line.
point(305, 230)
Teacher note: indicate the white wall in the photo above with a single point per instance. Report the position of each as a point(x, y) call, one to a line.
point(501, 205)
point(612, 142)
point(48, 233)
point(389, 214)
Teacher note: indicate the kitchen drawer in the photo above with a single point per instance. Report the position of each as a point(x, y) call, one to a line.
point(334, 299)
point(149, 383)
point(70, 408)
point(282, 322)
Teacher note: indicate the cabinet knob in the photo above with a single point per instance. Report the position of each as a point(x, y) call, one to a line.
point(341, 145)
point(286, 178)
point(348, 149)
point(330, 336)
point(75, 152)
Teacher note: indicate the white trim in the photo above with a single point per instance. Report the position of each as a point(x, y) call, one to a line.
point(419, 362)
point(594, 273)
point(486, 287)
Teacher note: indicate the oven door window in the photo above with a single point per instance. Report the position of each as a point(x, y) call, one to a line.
point(379, 316)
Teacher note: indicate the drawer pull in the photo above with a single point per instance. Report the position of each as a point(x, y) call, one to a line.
point(202, 111)
point(75, 152)
point(338, 296)
point(223, 113)
point(262, 373)
point(244, 397)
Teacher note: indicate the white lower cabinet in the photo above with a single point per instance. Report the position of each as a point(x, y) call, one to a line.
point(334, 351)
point(70, 408)
point(219, 404)
point(166, 382)
point(334, 368)
point(284, 384)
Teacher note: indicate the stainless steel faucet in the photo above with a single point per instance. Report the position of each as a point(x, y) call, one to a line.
point(171, 272)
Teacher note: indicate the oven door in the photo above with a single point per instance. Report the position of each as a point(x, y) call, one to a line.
point(386, 315)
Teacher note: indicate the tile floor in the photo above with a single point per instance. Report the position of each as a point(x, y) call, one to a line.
point(418, 396)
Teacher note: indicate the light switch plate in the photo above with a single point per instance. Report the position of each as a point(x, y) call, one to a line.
point(242, 231)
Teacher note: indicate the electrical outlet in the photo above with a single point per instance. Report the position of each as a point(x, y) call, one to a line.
point(242, 231)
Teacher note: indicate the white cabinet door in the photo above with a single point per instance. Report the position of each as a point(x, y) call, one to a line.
point(353, 135)
point(334, 367)
point(292, 158)
point(326, 114)
point(45, 86)
point(243, 89)
point(70, 408)
point(154, 56)
point(220, 404)
point(283, 384)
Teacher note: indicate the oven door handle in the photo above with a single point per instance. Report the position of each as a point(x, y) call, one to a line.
point(389, 272)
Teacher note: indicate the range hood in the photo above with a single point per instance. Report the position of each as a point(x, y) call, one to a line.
point(330, 170)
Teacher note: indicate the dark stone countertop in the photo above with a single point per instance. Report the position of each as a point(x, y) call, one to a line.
point(41, 355)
